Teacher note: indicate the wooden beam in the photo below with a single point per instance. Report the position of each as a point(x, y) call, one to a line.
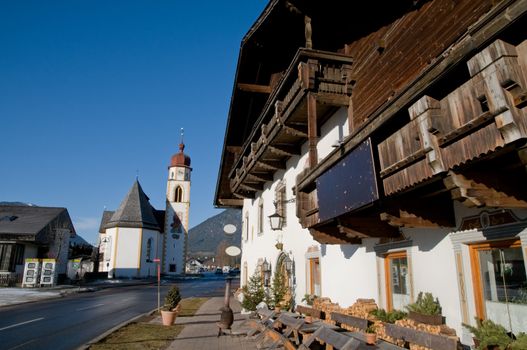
point(271, 164)
point(231, 202)
point(244, 194)
point(260, 89)
point(252, 186)
point(312, 129)
point(478, 194)
point(406, 219)
point(285, 150)
point(295, 130)
point(332, 238)
point(262, 177)
point(351, 233)
point(367, 226)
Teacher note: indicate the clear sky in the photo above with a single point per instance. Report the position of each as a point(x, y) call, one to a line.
point(94, 91)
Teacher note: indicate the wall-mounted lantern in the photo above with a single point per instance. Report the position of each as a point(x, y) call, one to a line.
point(276, 220)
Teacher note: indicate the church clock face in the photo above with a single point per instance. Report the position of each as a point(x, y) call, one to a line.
point(180, 174)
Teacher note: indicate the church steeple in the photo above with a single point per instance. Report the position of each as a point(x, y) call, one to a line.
point(177, 211)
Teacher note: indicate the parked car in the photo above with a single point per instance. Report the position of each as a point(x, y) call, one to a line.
point(219, 271)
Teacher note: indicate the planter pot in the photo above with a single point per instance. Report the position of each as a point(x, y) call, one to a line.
point(168, 317)
point(435, 320)
point(370, 338)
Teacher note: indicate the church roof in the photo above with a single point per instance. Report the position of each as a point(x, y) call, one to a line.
point(135, 211)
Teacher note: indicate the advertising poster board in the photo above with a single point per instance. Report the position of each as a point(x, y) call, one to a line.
point(31, 273)
point(47, 274)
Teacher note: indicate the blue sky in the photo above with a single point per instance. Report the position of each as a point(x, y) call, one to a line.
point(92, 92)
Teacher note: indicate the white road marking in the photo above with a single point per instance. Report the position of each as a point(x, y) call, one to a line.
point(89, 307)
point(23, 344)
point(21, 323)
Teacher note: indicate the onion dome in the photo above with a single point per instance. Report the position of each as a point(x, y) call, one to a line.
point(180, 159)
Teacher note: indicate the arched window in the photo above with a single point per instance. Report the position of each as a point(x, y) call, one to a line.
point(149, 250)
point(178, 194)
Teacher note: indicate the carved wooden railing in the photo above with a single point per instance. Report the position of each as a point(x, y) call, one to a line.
point(283, 124)
point(485, 113)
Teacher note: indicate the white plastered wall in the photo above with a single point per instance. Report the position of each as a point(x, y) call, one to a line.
point(125, 251)
point(149, 267)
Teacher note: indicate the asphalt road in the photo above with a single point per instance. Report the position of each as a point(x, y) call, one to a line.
point(72, 321)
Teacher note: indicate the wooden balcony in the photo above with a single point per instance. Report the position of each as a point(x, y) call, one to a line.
point(315, 83)
point(482, 116)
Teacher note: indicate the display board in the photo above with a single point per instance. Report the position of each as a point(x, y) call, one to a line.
point(31, 273)
point(47, 273)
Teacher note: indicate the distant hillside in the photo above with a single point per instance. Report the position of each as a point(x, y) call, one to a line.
point(205, 238)
point(18, 203)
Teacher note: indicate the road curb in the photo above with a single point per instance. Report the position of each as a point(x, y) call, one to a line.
point(114, 329)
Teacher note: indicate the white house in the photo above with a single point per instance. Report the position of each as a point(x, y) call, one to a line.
point(393, 174)
point(29, 231)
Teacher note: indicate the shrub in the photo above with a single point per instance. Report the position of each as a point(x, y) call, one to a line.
point(253, 292)
point(172, 298)
point(425, 305)
point(309, 299)
point(388, 317)
point(489, 333)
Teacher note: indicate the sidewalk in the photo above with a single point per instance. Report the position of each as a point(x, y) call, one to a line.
point(201, 332)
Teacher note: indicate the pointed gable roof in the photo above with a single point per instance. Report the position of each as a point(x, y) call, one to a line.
point(135, 211)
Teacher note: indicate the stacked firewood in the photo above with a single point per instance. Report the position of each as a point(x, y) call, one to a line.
point(325, 305)
point(381, 334)
point(443, 330)
point(361, 308)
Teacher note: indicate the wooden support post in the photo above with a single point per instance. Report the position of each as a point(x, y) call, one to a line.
point(312, 131)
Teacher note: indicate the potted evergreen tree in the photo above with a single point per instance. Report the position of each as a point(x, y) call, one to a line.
point(426, 309)
point(171, 307)
point(489, 335)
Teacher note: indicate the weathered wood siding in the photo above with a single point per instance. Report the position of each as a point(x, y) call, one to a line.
point(482, 115)
point(410, 44)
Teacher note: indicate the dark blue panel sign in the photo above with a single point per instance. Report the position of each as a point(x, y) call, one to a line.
point(349, 184)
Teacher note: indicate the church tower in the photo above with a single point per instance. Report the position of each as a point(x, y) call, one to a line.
point(177, 212)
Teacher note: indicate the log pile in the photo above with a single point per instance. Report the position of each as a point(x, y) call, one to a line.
point(381, 334)
point(325, 305)
point(361, 308)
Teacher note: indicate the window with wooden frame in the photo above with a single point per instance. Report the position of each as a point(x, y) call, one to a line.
point(500, 283)
point(314, 279)
point(260, 216)
point(397, 279)
point(280, 199)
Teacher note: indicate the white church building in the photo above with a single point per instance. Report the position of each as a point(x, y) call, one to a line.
point(136, 234)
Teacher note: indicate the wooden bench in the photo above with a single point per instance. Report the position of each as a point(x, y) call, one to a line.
point(433, 341)
point(291, 327)
point(272, 339)
point(309, 311)
point(332, 339)
point(265, 320)
point(348, 320)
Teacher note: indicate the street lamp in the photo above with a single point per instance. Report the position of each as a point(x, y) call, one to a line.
point(276, 220)
point(288, 264)
point(266, 269)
